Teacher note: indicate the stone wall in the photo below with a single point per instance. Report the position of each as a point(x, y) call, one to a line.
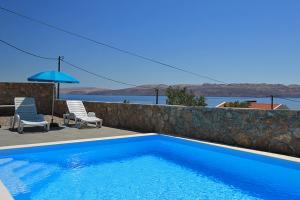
point(268, 130)
point(42, 92)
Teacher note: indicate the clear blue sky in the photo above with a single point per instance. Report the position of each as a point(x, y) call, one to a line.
point(236, 41)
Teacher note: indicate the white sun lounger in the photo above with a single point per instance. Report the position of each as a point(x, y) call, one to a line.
point(78, 113)
point(26, 114)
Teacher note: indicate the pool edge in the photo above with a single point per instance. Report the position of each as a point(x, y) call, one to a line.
point(241, 149)
point(73, 141)
point(252, 151)
point(4, 193)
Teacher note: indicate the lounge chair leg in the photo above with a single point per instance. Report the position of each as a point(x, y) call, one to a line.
point(12, 122)
point(78, 125)
point(47, 127)
point(64, 117)
point(20, 128)
point(99, 124)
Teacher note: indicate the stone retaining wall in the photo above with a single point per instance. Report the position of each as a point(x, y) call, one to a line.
point(268, 130)
point(42, 92)
point(273, 130)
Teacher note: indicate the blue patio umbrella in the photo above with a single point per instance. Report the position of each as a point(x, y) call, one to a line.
point(54, 77)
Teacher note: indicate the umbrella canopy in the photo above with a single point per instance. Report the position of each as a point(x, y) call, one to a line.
point(53, 76)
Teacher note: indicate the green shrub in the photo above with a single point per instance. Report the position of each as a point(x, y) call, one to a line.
point(180, 96)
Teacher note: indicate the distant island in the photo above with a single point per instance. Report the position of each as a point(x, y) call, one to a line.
point(212, 90)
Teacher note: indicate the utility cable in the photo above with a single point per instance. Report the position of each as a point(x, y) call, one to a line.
point(293, 100)
point(72, 65)
point(26, 52)
point(98, 75)
point(110, 46)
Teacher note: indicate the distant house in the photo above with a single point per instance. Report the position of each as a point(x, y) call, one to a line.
point(255, 105)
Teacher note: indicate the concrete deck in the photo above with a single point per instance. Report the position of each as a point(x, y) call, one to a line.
point(32, 136)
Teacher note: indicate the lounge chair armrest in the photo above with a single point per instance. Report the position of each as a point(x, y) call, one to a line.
point(16, 117)
point(71, 115)
point(91, 114)
point(13, 120)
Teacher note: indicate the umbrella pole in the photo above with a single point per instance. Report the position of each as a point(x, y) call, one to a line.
point(53, 103)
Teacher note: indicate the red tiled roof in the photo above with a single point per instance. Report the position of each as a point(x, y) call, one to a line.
point(255, 105)
point(262, 106)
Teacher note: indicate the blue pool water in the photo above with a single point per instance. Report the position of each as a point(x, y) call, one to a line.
point(148, 167)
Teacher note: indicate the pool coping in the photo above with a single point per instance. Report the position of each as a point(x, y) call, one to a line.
point(4, 193)
point(72, 141)
point(257, 152)
point(252, 151)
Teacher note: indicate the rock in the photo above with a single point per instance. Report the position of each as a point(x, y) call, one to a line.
point(281, 147)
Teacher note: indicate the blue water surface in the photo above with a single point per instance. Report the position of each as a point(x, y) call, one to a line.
point(211, 101)
point(149, 167)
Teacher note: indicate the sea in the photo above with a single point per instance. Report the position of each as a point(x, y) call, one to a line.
point(292, 103)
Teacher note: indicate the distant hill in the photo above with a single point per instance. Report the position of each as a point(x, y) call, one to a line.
point(229, 90)
point(81, 90)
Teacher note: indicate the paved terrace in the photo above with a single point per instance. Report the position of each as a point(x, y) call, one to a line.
point(33, 135)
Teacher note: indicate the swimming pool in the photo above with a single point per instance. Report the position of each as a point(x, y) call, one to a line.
point(146, 167)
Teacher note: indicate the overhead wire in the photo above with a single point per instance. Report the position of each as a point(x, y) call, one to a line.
point(110, 46)
point(27, 52)
point(69, 63)
point(97, 75)
point(288, 99)
point(101, 76)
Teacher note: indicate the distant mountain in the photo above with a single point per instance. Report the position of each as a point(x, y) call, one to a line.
point(81, 90)
point(224, 90)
